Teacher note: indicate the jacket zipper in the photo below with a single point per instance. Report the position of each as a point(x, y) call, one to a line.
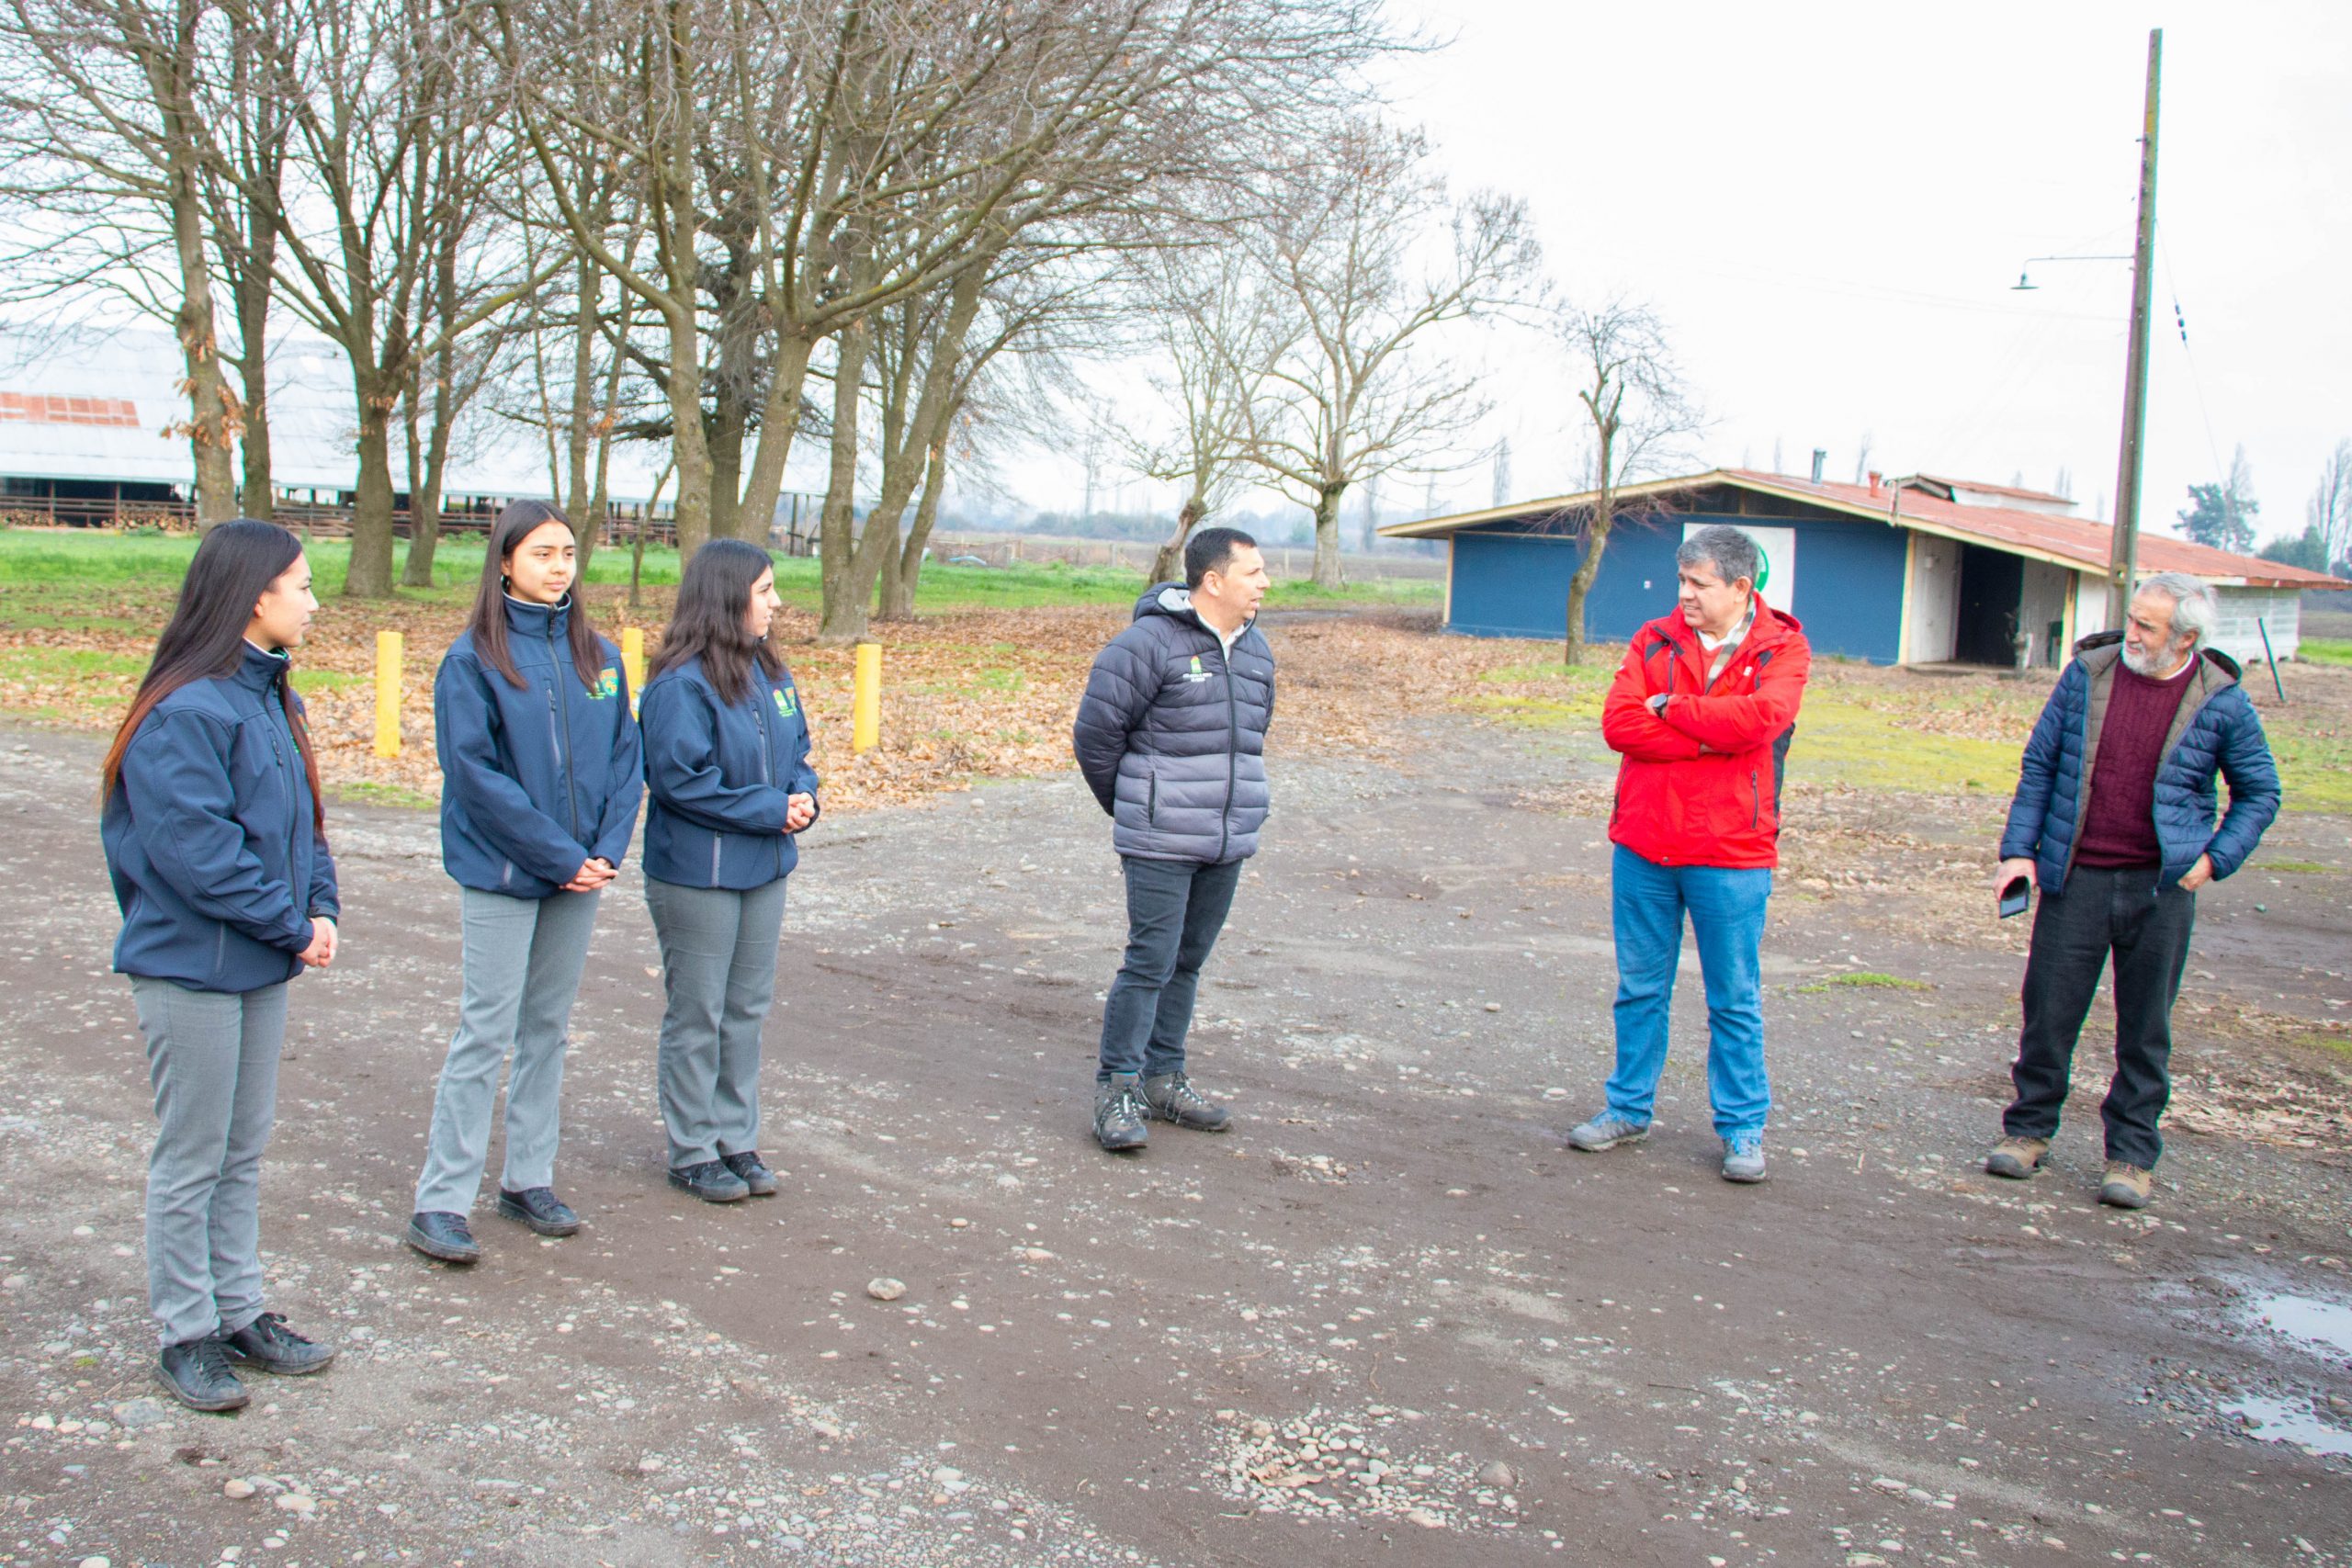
point(294, 817)
point(1754, 802)
point(767, 766)
point(1232, 750)
point(560, 729)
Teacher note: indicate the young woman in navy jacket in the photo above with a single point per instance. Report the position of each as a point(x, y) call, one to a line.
point(216, 847)
point(727, 770)
point(539, 791)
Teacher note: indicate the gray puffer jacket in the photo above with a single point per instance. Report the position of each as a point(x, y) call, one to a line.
point(1171, 734)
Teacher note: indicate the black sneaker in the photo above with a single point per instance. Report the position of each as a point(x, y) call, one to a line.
point(444, 1236)
point(268, 1344)
point(711, 1181)
point(1120, 1112)
point(1172, 1098)
point(541, 1209)
point(196, 1373)
point(756, 1173)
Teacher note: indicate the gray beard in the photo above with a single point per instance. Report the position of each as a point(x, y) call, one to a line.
point(2153, 666)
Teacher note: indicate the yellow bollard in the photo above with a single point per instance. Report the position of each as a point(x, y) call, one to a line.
point(633, 661)
point(865, 704)
point(388, 693)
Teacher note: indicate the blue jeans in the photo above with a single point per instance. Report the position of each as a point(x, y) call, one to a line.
point(1175, 908)
point(1726, 908)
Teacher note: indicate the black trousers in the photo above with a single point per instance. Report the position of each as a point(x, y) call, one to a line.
point(2146, 926)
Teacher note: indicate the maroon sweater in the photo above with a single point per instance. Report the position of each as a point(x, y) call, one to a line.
point(2120, 823)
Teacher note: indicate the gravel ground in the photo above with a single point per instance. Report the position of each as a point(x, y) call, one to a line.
point(1389, 1318)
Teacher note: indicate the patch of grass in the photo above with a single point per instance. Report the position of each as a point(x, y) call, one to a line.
point(1870, 979)
point(309, 681)
point(2315, 770)
point(2293, 867)
point(2327, 650)
point(366, 792)
point(44, 576)
point(1840, 741)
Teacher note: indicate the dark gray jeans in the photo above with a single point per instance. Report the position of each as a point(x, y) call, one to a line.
point(2146, 928)
point(1175, 909)
point(213, 1058)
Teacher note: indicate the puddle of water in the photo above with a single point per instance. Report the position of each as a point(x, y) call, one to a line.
point(2323, 1324)
point(2284, 1421)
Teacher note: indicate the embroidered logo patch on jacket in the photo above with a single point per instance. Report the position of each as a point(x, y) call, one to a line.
point(786, 702)
point(608, 683)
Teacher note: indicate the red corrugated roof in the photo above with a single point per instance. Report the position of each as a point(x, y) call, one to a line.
point(2076, 541)
point(1978, 485)
point(50, 408)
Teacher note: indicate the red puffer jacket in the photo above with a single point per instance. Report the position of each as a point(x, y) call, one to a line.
point(1701, 781)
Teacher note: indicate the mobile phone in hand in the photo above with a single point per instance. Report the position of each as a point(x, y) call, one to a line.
point(2016, 895)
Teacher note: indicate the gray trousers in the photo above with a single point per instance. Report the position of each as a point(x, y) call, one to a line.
point(718, 965)
point(213, 1058)
point(522, 961)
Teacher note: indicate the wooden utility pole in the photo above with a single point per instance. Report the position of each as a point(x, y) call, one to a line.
point(2123, 554)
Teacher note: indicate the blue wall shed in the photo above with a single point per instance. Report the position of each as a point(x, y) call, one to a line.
point(1510, 577)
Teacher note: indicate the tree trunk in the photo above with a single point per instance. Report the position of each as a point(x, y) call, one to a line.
point(1168, 565)
point(370, 576)
point(846, 594)
point(1596, 540)
point(688, 449)
point(779, 423)
point(584, 411)
point(259, 498)
point(1327, 535)
point(214, 418)
point(899, 583)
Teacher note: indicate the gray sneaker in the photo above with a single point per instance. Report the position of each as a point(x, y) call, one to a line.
point(1172, 1098)
point(1607, 1131)
point(1120, 1112)
point(1744, 1157)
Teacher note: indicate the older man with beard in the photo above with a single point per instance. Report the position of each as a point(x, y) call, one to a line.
point(2113, 819)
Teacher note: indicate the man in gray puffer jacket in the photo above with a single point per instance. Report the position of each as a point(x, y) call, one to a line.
point(1171, 738)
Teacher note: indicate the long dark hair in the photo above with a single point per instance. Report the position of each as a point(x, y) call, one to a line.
point(206, 637)
point(487, 620)
point(714, 594)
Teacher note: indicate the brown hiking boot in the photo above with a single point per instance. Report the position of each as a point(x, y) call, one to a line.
point(2018, 1159)
point(2126, 1186)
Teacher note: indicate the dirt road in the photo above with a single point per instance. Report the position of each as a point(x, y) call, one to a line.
point(1390, 1318)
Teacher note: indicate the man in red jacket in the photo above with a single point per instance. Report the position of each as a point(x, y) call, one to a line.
point(1703, 711)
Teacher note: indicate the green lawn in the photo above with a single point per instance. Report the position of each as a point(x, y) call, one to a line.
point(47, 577)
point(2327, 650)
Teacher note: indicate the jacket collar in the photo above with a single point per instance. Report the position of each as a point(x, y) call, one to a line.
point(259, 669)
point(1771, 626)
point(1175, 600)
point(528, 619)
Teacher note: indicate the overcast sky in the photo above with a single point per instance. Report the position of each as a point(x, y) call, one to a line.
point(1828, 204)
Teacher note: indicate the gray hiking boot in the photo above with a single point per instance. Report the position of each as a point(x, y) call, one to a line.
point(1120, 1112)
point(2017, 1158)
point(1744, 1157)
point(1172, 1098)
point(2127, 1186)
point(1607, 1131)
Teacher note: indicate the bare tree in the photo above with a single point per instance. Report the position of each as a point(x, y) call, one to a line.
point(1370, 263)
point(2330, 510)
point(103, 127)
point(389, 155)
point(1633, 395)
point(1211, 338)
